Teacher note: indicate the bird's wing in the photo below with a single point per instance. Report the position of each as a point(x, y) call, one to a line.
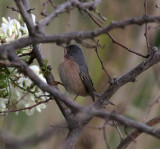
point(87, 82)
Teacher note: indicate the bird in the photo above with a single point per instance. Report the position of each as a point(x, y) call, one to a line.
point(73, 72)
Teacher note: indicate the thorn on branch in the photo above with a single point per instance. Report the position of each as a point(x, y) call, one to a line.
point(29, 10)
point(13, 9)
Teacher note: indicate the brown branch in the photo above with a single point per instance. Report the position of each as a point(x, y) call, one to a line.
point(127, 122)
point(128, 77)
point(67, 37)
point(30, 107)
point(146, 27)
point(129, 139)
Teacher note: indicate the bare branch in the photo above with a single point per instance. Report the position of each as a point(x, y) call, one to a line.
point(146, 27)
point(129, 77)
point(68, 5)
point(101, 61)
point(67, 37)
point(26, 16)
point(119, 132)
point(113, 40)
point(129, 139)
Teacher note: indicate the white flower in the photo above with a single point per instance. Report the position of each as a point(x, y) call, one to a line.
point(3, 103)
point(42, 78)
point(23, 95)
point(35, 68)
point(10, 27)
point(24, 82)
point(4, 20)
point(15, 93)
point(40, 107)
point(30, 112)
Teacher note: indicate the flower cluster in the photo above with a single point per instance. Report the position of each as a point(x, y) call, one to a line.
point(16, 90)
point(13, 29)
point(21, 93)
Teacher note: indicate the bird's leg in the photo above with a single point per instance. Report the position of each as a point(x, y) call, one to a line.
point(75, 97)
point(55, 83)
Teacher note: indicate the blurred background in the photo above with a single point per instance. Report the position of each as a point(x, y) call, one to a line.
point(132, 100)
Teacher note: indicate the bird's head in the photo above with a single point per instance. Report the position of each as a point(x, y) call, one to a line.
point(73, 51)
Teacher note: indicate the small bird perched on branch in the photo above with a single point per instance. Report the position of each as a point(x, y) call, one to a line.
point(74, 74)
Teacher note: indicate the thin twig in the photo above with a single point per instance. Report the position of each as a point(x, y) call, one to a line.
point(96, 50)
point(104, 135)
point(151, 105)
point(146, 27)
point(130, 138)
point(123, 46)
point(113, 40)
point(100, 15)
point(12, 8)
point(45, 4)
point(26, 108)
point(25, 94)
point(119, 132)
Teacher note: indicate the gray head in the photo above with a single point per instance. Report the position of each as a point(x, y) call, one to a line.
point(75, 53)
point(74, 50)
